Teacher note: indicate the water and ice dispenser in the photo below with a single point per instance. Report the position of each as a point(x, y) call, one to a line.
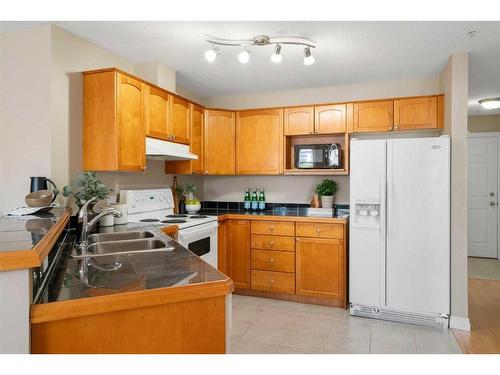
point(367, 208)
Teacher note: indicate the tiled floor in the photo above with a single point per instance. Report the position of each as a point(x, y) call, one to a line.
point(484, 268)
point(263, 325)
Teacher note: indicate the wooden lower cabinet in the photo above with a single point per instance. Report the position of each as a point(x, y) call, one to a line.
point(238, 252)
point(320, 267)
point(280, 282)
point(270, 260)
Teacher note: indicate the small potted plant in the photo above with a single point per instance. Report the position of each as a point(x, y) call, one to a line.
point(181, 205)
point(86, 186)
point(326, 190)
point(193, 205)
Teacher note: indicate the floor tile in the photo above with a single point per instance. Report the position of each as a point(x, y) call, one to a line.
point(266, 333)
point(394, 338)
point(283, 349)
point(253, 347)
point(355, 328)
point(435, 341)
point(341, 345)
point(304, 339)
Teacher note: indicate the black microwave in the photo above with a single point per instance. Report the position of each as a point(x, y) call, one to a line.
point(318, 156)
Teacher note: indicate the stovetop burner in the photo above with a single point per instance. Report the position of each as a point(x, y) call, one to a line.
point(148, 220)
point(173, 221)
point(177, 215)
point(198, 217)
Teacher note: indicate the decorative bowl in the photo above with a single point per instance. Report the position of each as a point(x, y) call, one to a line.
point(40, 198)
point(193, 208)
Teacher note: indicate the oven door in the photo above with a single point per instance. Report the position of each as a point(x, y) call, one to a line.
point(202, 241)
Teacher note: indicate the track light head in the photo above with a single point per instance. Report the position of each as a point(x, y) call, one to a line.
point(308, 57)
point(211, 53)
point(276, 57)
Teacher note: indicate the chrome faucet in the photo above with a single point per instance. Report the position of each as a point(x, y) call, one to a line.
point(87, 225)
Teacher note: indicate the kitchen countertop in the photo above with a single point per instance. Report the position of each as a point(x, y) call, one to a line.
point(25, 241)
point(284, 213)
point(139, 272)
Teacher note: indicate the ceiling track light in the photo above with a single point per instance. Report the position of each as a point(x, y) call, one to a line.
point(490, 103)
point(260, 40)
point(276, 56)
point(211, 53)
point(308, 57)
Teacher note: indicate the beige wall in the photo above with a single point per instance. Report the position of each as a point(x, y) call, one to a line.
point(298, 189)
point(454, 83)
point(479, 124)
point(154, 72)
point(25, 123)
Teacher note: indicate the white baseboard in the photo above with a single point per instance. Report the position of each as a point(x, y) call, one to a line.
point(460, 323)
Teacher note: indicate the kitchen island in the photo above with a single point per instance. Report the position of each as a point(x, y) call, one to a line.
point(157, 302)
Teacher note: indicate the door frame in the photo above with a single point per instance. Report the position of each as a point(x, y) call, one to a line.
point(495, 135)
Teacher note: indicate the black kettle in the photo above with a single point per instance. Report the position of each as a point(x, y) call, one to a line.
point(40, 183)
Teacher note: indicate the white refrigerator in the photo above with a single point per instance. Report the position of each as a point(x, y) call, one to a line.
point(399, 248)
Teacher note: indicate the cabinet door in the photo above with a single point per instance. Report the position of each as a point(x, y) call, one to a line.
point(299, 121)
point(415, 113)
point(131, 116)
point(219, 142)
point(196, 138)
point(259, 142)
point(238, 248)
point(373, 116)
point(158, 109)
point(180, 120)
point(330, 119)
point(320, 266)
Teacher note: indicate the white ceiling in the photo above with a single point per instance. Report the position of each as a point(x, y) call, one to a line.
point(348, 52)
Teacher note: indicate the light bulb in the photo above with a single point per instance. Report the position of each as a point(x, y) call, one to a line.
point(244, 56)
point(308, 57)
point(491, 103)
point(276, 56)
point(211, 54)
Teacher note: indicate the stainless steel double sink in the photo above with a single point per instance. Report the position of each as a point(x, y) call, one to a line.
point(120, 243)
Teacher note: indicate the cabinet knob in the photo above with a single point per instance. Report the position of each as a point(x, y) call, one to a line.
point(390, 127)
point(271, 281)
point(271, 228)
point(271, 243)
point(173, 137)
point(271, 261)
point(318, 230)
point(396, 127)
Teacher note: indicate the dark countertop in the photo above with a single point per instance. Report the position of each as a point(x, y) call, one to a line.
point(138, 271)
point(284, 211)
point(24, 232)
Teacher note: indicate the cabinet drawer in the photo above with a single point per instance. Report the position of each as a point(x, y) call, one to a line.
point(281, 261)
point(320, 230)
point(277, 228)
point(273, 281)
point(273, 242)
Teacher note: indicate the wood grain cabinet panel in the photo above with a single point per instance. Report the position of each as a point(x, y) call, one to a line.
point(376, 116)
point(320, 230)
point(279, 282)
point(131, 121)
point(277, 228)
point(196, 146)
point(320, 265)
point(219, 142)
point(272, 242)
point(416, 113)
point(330, 119)
point(180, 120)
point(299, 121)
point(259, 142)
point(238, 252)
point(158, 113)
point(269, 260)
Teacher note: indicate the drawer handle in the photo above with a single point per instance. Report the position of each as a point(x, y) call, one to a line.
point(318, 230)
point(271, 243)
point(271, 228)
point(271, 261)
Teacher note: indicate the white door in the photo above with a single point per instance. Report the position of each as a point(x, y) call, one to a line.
point(483, 207)
point(418, 225)
point(367, 222)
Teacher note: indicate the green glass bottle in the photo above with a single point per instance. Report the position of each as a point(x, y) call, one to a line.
point(247, 199)
point(262, 200)
point(255, 200)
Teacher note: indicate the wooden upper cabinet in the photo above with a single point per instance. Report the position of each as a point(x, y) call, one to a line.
point(319, 267)
point(158, 110)
point(299, 121)
point(114, 122)
point(219, 142)
point(330, 119)
point(180, 120)
point(416, 113)
point(376, 116)
point(238, 252)
point(196, 146)
point(259, 142)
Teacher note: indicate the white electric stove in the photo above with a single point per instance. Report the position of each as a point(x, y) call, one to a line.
point(197, 233)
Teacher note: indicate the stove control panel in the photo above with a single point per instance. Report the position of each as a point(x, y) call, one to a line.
point(147, 200)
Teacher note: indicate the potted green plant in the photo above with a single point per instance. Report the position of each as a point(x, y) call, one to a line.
point(326, 190)
point(86, 186)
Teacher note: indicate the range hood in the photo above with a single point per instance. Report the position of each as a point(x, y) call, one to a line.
point(163, 150)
